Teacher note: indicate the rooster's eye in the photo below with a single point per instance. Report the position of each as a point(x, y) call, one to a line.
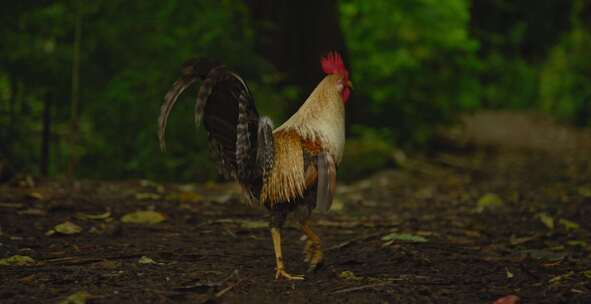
point(340, 86)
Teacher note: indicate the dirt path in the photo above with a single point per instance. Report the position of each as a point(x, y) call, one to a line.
point(450, 228)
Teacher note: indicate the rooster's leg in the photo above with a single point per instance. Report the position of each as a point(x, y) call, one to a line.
point(312, 250)
point(281, 273)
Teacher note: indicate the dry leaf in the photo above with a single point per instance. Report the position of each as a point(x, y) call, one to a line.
point(143, 217)
point(146, 196)
point(405, 237)
point(508, 273)
point(80, 297)
point(510, 299)
point(489, 201)
point(65, 228)
point(146, 260)
point(35, 195)
point(547, 220)
point(349, 275)
point(17, 260)
point(568, 225)
point(101, 216)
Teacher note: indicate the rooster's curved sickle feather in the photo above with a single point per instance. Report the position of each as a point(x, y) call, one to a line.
point(192, 70)
point(169, 101)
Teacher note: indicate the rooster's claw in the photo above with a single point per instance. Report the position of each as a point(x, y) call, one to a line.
point(281, 273)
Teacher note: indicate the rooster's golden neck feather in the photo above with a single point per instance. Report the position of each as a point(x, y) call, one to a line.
point(320, 121)
point(321, 118)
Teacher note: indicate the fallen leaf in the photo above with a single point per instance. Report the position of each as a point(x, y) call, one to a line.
point(568, 225)
point(35, 195)
point(11, 205)
point(584, 191)
point(190, 197)
point(17, 260)
point(510, 299)
point(543, 254)
point(547, 220)
point(349, 275)
point(337, 205)
point(100, 216)
point(33, 211)
point(146, 196)
point(557, 279)
point(146, 260)
point(28, 279)
point(143, 217)
point(254, 224)
point(187, 188)
point(66, 228)
point(246, 224)
point(580, 243)
point(405, 237)
point(522, 240)
point(107, 264)
point(508, 273)
point(488, 201)
point(80, 297)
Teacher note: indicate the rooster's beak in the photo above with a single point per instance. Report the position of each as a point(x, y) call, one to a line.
point(350, 84)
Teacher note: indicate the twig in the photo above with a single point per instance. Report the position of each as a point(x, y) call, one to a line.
point(223, 291)
point(349, 242)
point(362, 287)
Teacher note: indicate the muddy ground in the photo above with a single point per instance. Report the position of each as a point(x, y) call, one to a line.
point(462, 226)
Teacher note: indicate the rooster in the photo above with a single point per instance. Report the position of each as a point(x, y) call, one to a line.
point(288, 169)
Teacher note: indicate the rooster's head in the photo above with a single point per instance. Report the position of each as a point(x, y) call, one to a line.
point(333, 64)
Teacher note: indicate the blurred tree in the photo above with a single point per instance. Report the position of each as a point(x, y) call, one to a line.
point(414, 62)
point(415, 65)
point(566, 73)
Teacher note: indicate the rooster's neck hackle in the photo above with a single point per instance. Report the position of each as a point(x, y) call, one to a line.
point(320, 122)
point(321, 118)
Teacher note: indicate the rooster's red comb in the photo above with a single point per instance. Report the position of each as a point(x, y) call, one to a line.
point(332, 63)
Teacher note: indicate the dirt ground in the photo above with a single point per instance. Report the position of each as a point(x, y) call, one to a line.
point(463, 226)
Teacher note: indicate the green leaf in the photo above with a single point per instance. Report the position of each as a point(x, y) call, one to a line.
point(489, 201)
point(146, 196)
point(143, 217)
point(100, 216)
point(146, 260)
point(80, 297)
point(349, 276)
point(17, 260)
point(67, 228)
point(405, 237)
point(547, 220)
point(584, 191)
point(569, 225)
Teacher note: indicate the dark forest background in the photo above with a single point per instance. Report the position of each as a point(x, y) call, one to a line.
point(81, 82)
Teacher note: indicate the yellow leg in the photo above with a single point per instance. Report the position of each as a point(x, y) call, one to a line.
point(281, 273)
point(313, 251)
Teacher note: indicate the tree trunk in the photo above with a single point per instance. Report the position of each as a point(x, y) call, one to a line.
point(46, 137)
point(75, 96)
point(294, 35)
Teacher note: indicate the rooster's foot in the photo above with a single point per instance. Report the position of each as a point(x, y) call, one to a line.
point(281, 273)
point(313, 255)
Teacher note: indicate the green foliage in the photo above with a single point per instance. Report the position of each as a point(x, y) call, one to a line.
point(415, 65)
point(565, 79)
point(131, 53)
point(369, 150)
point(413, 60)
